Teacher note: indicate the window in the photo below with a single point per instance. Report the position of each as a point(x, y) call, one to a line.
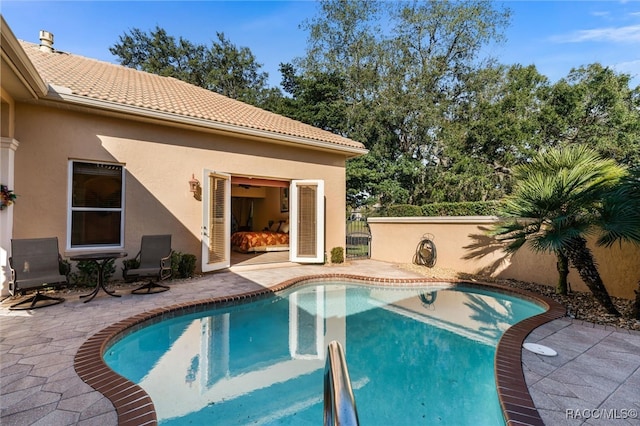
point(96, 213)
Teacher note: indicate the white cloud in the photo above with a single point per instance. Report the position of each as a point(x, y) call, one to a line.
point(632, 68)
point(628, 34)
point(629, 67)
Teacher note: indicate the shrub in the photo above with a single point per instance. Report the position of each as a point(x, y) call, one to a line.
point(129, 264)
point(64, 267)
point(87, 272)
point(176, 256)
point(337, 255)
point(187, 266)
point(183, 265)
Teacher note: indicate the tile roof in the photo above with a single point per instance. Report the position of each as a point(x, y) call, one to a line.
point(98, 80)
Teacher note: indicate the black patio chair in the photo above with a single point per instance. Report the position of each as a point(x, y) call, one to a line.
point(35, 264)
point(153, 261)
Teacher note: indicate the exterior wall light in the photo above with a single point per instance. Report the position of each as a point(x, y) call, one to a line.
point(194, 186)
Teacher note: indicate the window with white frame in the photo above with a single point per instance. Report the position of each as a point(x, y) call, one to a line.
point(96, 211)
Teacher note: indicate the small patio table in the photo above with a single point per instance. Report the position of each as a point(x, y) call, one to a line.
point(100, 259)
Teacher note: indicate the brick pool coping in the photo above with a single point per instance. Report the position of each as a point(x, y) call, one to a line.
point(134, 406)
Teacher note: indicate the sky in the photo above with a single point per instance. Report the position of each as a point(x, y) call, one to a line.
point(555, 36)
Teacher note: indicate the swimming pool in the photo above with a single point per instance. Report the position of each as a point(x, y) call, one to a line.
point(415, 355)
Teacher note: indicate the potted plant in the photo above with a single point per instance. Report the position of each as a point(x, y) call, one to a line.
point(7, 197)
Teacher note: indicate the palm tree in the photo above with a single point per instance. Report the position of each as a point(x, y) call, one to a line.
point(620, 220)
point(562, 265)
point(564, 195)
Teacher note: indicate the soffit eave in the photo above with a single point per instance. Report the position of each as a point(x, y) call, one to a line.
point(14, 55)
point(58, 96)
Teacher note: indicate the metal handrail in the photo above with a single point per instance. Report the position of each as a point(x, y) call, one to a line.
point(339, 402)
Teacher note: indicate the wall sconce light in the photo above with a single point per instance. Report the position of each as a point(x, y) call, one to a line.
point(194, 186)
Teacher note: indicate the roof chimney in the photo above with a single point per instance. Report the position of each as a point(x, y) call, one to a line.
point(46, 41)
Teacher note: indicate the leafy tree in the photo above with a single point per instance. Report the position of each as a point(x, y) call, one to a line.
point(562, 196)
point(400, 83)
point(344, 42)
point(595, 106)
point(499, 122)
point(234, 72)
point(460, 177)
point(160, 53)
point(223, 68)
point(316, 99)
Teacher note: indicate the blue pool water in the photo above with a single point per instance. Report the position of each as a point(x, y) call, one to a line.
point(415, 356)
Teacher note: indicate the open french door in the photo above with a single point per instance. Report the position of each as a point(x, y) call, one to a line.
point(306, 218)
point(216, 221)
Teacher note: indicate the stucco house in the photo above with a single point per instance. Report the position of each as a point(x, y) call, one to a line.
point(100, 154)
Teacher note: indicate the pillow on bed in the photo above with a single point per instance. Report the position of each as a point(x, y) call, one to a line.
point(274, 226)
point(285, 228)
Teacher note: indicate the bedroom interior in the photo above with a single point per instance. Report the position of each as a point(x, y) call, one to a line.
point(259, 221)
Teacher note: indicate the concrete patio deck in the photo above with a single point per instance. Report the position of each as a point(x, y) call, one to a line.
point(596, 374)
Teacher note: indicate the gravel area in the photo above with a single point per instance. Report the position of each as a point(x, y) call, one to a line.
point(580, 305)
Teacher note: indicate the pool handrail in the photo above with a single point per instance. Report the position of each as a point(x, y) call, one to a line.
point(339, 402)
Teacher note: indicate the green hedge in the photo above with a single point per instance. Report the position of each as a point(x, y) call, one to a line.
point(402, 210)
point(469, 208)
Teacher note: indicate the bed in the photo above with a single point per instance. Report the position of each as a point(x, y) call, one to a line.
point(259, 241)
